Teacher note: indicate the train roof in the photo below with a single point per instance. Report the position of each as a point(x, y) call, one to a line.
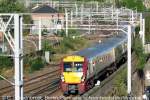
point(102, 48)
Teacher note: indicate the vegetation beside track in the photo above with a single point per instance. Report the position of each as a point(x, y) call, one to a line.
point(147, 28)
point(112, 85)
point(6, 64)
point(120, 84)
point(72, 42)
point(35, 61)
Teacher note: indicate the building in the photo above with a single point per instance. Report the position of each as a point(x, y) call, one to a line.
point(147, 4)
point(1, 36)
point(51, 20)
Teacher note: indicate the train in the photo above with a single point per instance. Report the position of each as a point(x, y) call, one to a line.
point(80, 70)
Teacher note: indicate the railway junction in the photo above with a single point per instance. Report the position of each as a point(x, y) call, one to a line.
point(89, 71)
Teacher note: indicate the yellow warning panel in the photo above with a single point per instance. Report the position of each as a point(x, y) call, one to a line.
point(73, 59)
point(73, 77)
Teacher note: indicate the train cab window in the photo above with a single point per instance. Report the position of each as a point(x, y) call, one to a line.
point(67, 66)
point(73, 66)
point(78, 66)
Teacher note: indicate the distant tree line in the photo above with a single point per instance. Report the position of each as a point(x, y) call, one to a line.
point(131, 4)
point(11, 6)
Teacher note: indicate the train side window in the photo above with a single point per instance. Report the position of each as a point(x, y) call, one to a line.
point(91, 67)
point(101, 60)
point(88, 70)
point(104, 58)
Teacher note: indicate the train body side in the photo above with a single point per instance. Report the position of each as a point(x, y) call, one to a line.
point(104, 57)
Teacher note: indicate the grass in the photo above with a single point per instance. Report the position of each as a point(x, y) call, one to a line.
point(120, 84)
point(68, 46)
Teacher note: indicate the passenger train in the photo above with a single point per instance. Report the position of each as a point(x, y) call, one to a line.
point(80, 70)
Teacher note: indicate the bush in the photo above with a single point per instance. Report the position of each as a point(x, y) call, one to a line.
point(47, 46)
point(5, 62)
point(1, 78)
point(36, 64)
point(139, 51)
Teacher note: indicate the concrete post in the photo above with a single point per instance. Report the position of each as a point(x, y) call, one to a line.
point(71, 18)
point(66, 17)
point(76, 9)
point(82, 6)
point(40, 34)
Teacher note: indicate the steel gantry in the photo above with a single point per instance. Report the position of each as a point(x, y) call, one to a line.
point(15, 41)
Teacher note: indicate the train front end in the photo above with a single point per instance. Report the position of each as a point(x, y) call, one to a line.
point(73, 72)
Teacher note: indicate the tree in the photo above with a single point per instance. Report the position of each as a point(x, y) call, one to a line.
point(133, 4)
point(11, 6)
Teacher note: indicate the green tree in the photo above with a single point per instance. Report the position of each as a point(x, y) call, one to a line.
point(133, 4)
point(14, 6)
point(11, 6)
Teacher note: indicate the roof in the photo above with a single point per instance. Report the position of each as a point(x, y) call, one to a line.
point(44, 9)
point(102, 48)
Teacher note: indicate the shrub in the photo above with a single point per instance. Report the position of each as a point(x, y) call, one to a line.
point(48, 46)
point(36, 64)
point(5, 62)
point(139, 51)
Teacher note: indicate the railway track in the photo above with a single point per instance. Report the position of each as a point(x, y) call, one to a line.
point(47, 82)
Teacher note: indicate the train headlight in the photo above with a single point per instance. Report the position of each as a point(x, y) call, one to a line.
point(82, 78)
point(62, 78)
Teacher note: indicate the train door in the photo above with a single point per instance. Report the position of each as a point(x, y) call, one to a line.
point(88, 70)
point(91, 67)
